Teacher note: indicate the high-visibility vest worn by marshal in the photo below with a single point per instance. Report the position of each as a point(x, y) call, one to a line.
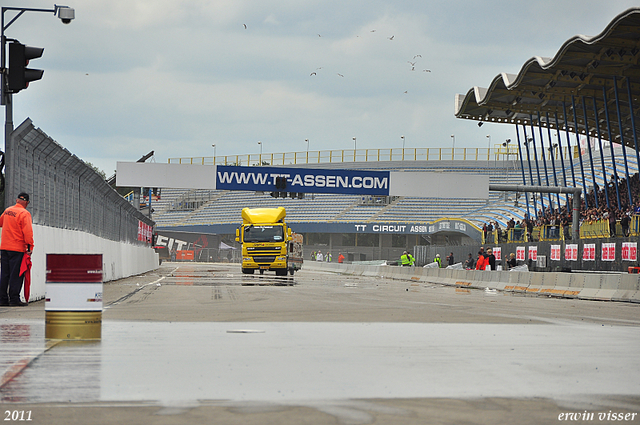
point(17, 232)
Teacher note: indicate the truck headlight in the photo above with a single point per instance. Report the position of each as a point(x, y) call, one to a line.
point(281, 259)
point(247, 259)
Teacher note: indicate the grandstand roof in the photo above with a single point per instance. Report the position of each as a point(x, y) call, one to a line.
point(579, 71)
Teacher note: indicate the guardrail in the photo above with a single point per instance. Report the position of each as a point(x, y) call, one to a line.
point(621, 287)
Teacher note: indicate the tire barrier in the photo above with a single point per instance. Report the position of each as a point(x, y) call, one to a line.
point(620, 287)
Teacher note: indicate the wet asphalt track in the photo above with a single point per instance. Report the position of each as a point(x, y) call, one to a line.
point(202, 343)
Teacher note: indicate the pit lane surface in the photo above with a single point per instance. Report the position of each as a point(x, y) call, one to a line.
point(202, 343)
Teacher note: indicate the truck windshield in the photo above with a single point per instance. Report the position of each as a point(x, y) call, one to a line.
point(263, 234)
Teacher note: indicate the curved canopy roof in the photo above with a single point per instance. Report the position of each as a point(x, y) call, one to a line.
point(583, 70)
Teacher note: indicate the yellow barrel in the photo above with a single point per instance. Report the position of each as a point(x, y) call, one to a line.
point(73, 324)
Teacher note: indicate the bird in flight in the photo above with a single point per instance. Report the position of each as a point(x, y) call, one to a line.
point(340, 75)
point(426, 70)
point(417, 56)
point(391, 38)
point(313, 73)
point(245, 26)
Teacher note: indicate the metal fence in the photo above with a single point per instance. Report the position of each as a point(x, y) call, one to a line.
point(498, 153)
point(65, 192)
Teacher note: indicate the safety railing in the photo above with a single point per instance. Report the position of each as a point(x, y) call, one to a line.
point(595, 229)
point(548, 232)
point(494, 156)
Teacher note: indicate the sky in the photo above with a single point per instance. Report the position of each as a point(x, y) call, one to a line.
point(127, 77)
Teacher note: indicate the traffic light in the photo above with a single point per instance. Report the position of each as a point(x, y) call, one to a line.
point(281, 186)
point(281, 183)
point(281, 190)
point(19, 74)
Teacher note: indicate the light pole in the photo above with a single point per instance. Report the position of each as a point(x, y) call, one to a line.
point(488, 150)
point(260, 157)
point(214, 153)
point(506, 145)
point(453, 149)
point(307, 140)
point(354, 149)
point(66, 15)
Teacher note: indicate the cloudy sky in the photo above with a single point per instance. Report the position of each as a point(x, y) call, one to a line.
point(175, 76)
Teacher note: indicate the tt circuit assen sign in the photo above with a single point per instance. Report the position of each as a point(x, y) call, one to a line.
point(303, 180)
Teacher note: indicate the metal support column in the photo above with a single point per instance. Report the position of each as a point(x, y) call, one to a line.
point(613, 157)
point(526, 144)
point(604, 170)
point(593, 171)
point(544, 157)
point(552, 158)
point(535, 154)
point(624, 148)
point(566, 129)
point(633, 122)
point(524, 179)
point(577, 133)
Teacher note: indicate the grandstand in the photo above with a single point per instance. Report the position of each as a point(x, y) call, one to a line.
point(213, 209)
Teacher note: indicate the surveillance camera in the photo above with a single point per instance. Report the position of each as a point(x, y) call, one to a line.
point(66, 14)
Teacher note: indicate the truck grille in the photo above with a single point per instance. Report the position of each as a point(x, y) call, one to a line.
point(264, 258)
point(263, 249)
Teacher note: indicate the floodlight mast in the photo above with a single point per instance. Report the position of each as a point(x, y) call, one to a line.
point(66, 15)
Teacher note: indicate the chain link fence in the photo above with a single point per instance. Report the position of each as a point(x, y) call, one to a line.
point(65, 192)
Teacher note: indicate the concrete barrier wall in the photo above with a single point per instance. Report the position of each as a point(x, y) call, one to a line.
point(118, 259)
point(592, 286)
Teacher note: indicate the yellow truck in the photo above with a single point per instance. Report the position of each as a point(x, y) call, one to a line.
point(268, 243)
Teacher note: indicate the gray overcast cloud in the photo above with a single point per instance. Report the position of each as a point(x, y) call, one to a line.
point(128, 77)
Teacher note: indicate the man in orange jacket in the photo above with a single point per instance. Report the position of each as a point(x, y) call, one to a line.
point(17, 240)
point(481, 261)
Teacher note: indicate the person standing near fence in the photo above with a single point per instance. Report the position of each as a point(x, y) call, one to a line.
point(17, 241)
point(490, 260)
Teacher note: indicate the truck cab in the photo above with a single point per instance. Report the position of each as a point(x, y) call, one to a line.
point(265, 238)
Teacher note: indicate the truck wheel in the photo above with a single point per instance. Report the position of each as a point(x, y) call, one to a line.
point(247, 271)
point(261, 271)
point(281, 272)
point(291, 271)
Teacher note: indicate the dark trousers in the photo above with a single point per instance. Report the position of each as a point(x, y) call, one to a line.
point(10, 279)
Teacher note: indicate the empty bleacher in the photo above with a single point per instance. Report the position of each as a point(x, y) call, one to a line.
point(207, 207)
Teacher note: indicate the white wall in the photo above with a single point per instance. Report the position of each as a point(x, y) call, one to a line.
point(118, 259)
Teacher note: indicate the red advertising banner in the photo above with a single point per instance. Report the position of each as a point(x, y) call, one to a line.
point(571, 252)
point(144, 232)
point(589, 252)
point(520, 253)
point(609, 251)
point(533, 253)
point(497, 252)
point(629, 251)
point(555, 252)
